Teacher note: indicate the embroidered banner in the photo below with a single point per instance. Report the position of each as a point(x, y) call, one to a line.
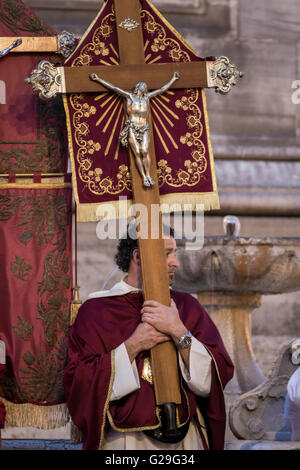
point(35, 293)
point(34, 138)
point(100, 165)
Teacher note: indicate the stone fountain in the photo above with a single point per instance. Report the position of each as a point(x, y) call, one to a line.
point(229, 275)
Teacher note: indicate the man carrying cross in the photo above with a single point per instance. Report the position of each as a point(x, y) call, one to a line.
point(128, 43)
point(108, 380)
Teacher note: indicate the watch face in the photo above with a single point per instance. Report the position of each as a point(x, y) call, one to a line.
point(185, 342)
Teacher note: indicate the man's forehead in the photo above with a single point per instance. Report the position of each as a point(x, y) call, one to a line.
point(170, 243)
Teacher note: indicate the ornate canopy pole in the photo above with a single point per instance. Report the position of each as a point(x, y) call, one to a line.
point(63, 44)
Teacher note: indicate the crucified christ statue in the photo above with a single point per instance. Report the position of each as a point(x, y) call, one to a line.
point(5, 51)
point(136, 129)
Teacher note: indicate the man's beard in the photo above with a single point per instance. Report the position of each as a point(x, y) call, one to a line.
point(171, 278)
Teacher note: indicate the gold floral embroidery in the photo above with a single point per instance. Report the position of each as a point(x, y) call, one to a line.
point(88, 110)
point(97, 45)
point(161, 41)
point(20, 268)
point(191, 175)
point(92, 146)
point(94, 178)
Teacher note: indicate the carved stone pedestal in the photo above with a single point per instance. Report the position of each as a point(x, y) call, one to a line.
point(259, 413)
point(231, 314)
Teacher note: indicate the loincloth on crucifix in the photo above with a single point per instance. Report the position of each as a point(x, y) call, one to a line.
point(138, 131)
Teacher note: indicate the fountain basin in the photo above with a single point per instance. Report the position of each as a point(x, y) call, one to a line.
point(229, 264)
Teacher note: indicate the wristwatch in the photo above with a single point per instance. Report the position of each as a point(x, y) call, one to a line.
point(185, 341)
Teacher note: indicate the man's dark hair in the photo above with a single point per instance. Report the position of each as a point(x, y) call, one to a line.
point(128, 243)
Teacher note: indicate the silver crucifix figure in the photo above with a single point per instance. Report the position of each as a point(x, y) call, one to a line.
point(135, 132)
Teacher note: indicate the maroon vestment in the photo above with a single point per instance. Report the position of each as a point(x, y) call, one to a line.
point(102, 325)
point(2, 407)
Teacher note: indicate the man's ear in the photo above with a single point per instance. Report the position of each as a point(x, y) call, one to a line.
point(136, 256)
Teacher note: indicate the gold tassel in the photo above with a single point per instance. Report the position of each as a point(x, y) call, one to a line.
point(75, 304)
point(42, 417)
point(210, 201)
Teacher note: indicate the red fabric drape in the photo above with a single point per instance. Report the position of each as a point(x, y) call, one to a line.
point(35, 292)
point(32, 134)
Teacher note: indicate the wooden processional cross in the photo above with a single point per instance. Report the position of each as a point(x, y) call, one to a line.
point(131, 70)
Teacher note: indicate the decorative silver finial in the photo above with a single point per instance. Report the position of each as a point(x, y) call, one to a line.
point(46, 80)
point(222, 75)
point(66, 43)
point(231, 226)
point(128, 24)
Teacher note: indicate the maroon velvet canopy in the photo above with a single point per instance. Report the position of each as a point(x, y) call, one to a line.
point(185, 165)
point(35, 235)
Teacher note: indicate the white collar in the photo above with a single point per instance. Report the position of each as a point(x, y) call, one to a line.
point(120, 288)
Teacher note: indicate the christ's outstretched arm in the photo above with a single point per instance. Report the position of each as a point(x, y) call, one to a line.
point(110, 86)
point(165, 87)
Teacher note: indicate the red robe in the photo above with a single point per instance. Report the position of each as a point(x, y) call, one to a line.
point(2, 407)
point(102, 324)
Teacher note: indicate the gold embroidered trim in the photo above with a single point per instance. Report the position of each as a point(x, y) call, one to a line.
point(105, 410)
point(41, 417)
point(216, 366)
point(203, 427)
point(179, 425)
point(144, 428)
point(210, 150)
